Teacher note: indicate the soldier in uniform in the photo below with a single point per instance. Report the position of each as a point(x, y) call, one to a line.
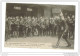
point(21, 26)
point(62, 30)
point(13, 27)
point(7, 31)
point(33, 25)
point(51, 26)
point(39, 26)
point(17, 23)
point(55, 24)
point(42, 24)
point(71, 25)
point(26, 25)
point(36, 26)
point(47, 25)
point(29, 31)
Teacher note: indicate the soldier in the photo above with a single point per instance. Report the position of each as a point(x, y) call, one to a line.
point(47, 25)
point(21, 26)
point(17, 23)
point(42, 24)
point(7, 31)
point(39, 26)
point(71, 25)
point(13, 27)
point(26, 25)
point(33, 25)
point(55, 25)
point(62, 30)
point(29, 31)
point(10, 23)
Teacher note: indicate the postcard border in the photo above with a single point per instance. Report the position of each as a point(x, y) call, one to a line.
point(40, 50)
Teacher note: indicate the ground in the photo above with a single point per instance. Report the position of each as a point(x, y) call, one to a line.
point(44, 42)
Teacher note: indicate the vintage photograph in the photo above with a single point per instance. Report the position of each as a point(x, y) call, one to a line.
point(42, 26)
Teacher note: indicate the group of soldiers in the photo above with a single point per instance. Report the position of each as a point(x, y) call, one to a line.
point(26, 26)
point(30, 26)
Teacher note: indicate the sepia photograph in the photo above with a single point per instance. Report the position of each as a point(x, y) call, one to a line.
point(41, 26)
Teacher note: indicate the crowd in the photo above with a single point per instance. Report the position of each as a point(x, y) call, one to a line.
point(26, 26)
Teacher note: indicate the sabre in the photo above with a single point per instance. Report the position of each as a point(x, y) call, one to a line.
point(58, 42)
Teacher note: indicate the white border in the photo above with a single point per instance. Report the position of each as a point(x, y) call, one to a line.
point(35, 55)
point(40, 50)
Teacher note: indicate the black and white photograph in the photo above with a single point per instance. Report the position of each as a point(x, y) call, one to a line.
point(41, 26)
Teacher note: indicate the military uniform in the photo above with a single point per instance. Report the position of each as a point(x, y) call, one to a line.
point(62, 31)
